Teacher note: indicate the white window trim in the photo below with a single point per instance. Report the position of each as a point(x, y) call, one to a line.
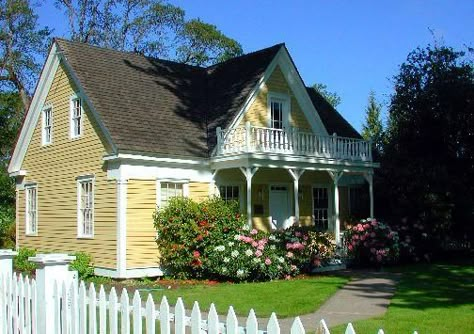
point(184, 182)
point(72, 135)
point(28, 232)
point(286, 99)
point(79, 180)
point(43, 125)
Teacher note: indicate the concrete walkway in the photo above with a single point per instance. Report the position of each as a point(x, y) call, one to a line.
point(367, 295)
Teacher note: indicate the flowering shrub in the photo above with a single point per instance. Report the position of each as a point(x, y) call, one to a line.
point(370, 241)
point(212, 240)
point(415, 241)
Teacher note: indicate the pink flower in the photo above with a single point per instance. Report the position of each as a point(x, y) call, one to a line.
point(349, 247)
point(379, 258)
point(268, 261)
point(374, 223)
point(317, 262)
point(305, 237)
point(260, 247)
point(196, 254)
point(287, 277)
point(254, 244)
point(366, 226)
point(293, 267)
point(355, 237)
point(298, 234)
point(254, 231)
point(258, 253)
point(289, 254)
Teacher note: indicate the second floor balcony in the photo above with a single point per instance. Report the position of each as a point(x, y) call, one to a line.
point(293, 141)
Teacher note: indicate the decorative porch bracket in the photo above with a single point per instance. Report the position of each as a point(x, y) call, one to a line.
point(249, 172)
point(296, 174)
point(335, 176)
point(370, 179)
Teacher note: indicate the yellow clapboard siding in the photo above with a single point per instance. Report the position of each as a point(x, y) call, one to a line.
point(257, 114)
point(54, 168)
point(141, 204)
point(199, 191)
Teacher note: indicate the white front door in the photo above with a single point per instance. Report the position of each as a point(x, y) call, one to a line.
point(279, 206)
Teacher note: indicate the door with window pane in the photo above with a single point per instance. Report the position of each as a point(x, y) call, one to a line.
point(321, 208)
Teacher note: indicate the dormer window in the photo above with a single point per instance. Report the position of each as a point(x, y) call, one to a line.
point(278, 110)
point(47, 129)
point(276, 114)
point(76, 117)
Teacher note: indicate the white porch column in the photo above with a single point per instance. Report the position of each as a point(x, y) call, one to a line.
point(296, 174)
point(249, 172)
point(337, 222)
point(51, 268)
point(121, 227)
point(370, 179)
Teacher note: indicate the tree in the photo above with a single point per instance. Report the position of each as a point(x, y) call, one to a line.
point(373, 127)
point(428, 161)
point(21, 41)
point(151, 27)
point(331, 97)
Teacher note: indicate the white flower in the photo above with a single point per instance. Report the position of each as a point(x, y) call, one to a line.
point(220, 248)
point(272, 238)
point(234, 253)
point(226, 260)
point(237, 237)
point(231, 244)
point(224, 269)
point(256, 259)
point(246, 228)
point(248, 252)
point(240, 273)
point(281, 259)
point(272, 247)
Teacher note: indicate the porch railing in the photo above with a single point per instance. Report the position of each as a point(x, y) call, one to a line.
point(254, 139)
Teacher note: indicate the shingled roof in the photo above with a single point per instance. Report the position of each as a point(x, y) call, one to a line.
point(155, 106)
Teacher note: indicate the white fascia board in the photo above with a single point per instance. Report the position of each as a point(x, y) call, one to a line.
point(20, 172)
point(34, 111)
point(299, 90)
point(148, 158)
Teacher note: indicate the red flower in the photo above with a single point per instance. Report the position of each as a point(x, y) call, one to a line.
point(199, 237)
point(196, 254)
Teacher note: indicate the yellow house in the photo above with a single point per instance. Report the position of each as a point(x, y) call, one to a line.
point(110, 136)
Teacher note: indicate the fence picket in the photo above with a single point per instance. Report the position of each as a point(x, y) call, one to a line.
point(82, 309)
point(102, 311)
point(137, 313)
point(179, 317)
point(74, 309)
point(92, 309)
point(273, 325)
point(322, 328)
point(232, 323)
point(297, 327)
point(350, 329)
point(27, 296)
point(57, 308)
point(165, 318)
point(113, 311)
point(64, 309)
point(150, 315)
point(213, 321)
point(34, 306)
point(380, 331)
point(124, 313)
point(3, 304)
point(196, 319)
point(21, 304)
point(252, 323)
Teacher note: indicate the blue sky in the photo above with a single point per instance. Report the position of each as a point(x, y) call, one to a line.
point(351, 46)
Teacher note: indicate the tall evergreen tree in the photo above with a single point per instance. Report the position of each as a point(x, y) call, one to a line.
point(373, 127)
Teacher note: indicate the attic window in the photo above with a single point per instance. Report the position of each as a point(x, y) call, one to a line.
point(47, 125)
point(76, 117)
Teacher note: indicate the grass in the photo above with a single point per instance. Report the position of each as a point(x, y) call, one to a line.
point(285, 298)
point(432, 299)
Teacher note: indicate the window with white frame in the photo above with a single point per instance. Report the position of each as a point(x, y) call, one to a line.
point(276, 113)
point(321, 208)
point(47, 133)
point(229, 193)
point(168, 190)
point(76, 117)
point(85, 207)
point(31, 210)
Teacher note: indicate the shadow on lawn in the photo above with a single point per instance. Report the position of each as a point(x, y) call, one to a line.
point(436, 286)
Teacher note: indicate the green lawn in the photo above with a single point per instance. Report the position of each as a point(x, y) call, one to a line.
point(285, 298)
point(429, 299)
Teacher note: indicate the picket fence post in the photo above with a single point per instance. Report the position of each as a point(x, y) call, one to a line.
point(52, 269)
point(6, 262)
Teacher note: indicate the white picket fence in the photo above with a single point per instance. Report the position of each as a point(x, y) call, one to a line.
point(78, 309)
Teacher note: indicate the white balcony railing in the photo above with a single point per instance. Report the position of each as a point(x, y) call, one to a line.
point(254, 139)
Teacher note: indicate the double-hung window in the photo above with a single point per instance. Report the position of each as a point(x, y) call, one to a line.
point(47, 130)
point(76, 117)
point(85, 207)
point(169, 189)
point(276, 113)
point(31, 210)
point(321, 208)
point(229, 193)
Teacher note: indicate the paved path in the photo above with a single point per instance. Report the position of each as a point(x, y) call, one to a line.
point(367, 295)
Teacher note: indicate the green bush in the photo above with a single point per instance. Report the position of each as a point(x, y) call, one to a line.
point(21, 263)
point(83, 264)
point(7, 227)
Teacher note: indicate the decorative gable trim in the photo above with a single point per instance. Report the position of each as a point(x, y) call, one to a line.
point(55, 57)
point(291, 75)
